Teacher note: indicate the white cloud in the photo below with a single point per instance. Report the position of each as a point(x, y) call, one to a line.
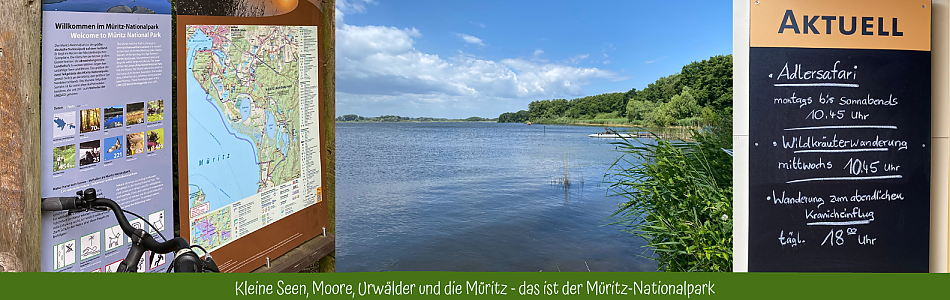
point(353, 6)
point(608, 47)
point(350, 7)
point(655, 60)
point(537, 56)
point(577, 58)
point(478, 24)
point(379, 71)
point(470, 39)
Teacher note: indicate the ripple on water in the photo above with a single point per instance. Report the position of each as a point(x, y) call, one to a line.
point(476, 197)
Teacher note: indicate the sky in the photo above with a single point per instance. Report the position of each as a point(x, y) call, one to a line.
point(458, 59)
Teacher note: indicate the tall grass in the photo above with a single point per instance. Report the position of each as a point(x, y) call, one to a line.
point(678, 197)
point(566, 120)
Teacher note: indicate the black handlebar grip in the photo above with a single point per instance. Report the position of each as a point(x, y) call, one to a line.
point(58, 203)
point(187, 262)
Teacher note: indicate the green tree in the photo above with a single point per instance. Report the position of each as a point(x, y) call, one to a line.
point(683, 95)
point(684, 105)
point(661, 90)
point(350, 117)
point(632, 93)
point(711, 81)
point(517, 117)
point(661, 116)
point(536, 109)
point(637, 109)
point(556, 108)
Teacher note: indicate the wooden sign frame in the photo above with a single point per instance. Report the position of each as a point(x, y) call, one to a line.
point(865, 41)
point(269, 242)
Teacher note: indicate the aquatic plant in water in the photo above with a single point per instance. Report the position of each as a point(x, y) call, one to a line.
point(564, 182)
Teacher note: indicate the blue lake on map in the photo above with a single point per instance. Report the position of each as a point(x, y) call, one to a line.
point(245, 106)
point(271, 127)
point(221, 56)
point(219, 88)
point(220, 161)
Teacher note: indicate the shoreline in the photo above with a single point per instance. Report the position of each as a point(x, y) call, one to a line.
point(651, 129)
point(446, 121)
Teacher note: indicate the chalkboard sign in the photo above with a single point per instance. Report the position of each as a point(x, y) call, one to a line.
point(839, 169)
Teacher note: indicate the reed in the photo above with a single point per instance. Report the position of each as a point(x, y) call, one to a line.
point(678, 197)
point(565, 182)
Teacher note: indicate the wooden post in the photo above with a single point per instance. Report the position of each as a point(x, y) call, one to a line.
point(20, 32)
point(328, 88)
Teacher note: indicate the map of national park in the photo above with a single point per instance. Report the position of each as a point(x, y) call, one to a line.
point(212, 230)
point(243, 115)
point(64, 124)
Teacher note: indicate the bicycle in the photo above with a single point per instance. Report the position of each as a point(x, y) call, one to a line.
point(186, 259)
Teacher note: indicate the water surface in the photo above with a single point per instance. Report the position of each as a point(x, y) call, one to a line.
point(477, 197)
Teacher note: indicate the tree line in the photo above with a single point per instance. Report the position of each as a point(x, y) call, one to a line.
point(700, 90)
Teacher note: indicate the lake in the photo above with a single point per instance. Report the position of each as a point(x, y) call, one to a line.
point(477, 197)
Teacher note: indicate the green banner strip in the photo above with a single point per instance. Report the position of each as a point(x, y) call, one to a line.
point(461, 285)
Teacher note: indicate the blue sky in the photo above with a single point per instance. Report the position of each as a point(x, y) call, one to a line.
point(457, 59)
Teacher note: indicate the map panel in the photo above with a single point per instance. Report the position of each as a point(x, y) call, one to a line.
point(244, 126)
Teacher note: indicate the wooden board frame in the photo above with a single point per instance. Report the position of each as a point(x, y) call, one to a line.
point(940, 126)
point(277, 238)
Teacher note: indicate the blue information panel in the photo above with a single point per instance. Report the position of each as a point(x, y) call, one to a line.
point(106, 111)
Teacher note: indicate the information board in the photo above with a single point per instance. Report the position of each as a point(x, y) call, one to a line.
point(106, 124)
point(839, 111)
point(250, 140)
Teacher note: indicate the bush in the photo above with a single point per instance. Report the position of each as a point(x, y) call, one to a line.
point(637, 110)
point(661, 116)
point(679, 198)
point(683, 105)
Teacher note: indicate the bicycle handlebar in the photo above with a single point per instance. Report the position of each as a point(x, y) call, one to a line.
point(59, 203)
point(150, 243)
point(189, 262)
point(73, 203)
point(186, 260)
